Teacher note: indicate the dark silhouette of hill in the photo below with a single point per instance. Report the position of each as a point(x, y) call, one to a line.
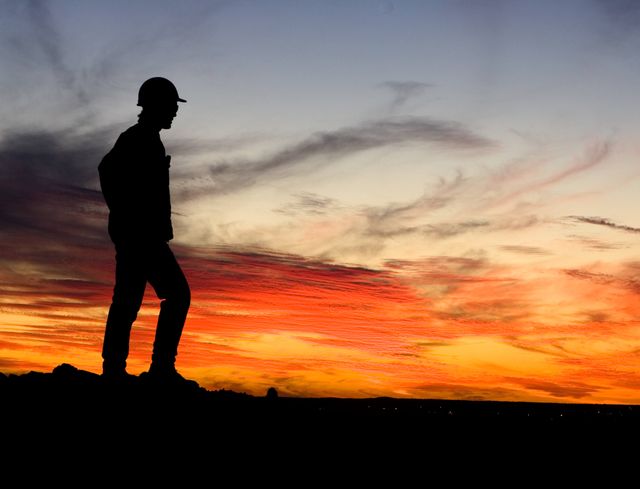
point(71, 425)
point(70, 415)
point(68, 392)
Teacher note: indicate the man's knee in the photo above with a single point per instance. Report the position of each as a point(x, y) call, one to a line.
point(183, 298)
point(185, 295)
point(123, 310)
point(180, 296)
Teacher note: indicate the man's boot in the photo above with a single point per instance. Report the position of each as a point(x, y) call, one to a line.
point(163, 372)
point(116, 372)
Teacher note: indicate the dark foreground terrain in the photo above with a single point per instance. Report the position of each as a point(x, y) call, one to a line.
point(68, 394)
point(72, 427)
point(42, 412)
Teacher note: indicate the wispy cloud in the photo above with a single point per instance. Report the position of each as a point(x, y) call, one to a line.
point(594, 244)
point(401, 219)
point(46, 177)
point(308, 203)
point(601, 221)
point(480, 195)
point(324, 147)
point(444, 193)
point(34, 42)
point(52, 222)
point(397, 220)
point(561, 390)
point(621, 280)
point(48, 39)
point(403, 91)
point(525, 250)
point(436, 231)
point(36, 48)
point(447, 230)
point(593, 156)
point(467, 392)
point(474, 201)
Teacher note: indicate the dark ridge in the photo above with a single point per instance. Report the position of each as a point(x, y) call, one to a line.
point(74, 406)
point(67, 386)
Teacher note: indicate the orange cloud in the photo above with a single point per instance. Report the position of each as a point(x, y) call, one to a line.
point(439, 327)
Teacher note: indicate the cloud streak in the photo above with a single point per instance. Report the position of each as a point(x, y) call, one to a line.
point(310, 204)
point(601, 221)
point(49, 40)
point(565, 390)
point(48, 182)
point(480, 195)
point(594, 244)
point(593, 156)
point(38, 52)
point(605, 279)
point(33, 35)
point(316, 150)
point(525, 250)
point(403, 91)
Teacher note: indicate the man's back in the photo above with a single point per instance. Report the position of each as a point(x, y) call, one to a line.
point(134, 177)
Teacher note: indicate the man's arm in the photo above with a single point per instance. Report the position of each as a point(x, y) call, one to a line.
point(121, 176)
point(106, 170)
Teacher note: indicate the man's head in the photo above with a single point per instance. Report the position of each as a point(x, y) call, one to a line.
point(159, 99)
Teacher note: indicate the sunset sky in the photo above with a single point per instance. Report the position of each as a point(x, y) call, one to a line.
point(429, 198)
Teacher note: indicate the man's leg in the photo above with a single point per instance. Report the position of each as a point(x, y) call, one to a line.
point(127, 299)
point(170, 285)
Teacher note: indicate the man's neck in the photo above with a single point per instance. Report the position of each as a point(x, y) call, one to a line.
point(149, 125)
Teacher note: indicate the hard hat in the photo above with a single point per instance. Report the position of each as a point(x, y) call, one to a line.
point(158, 90)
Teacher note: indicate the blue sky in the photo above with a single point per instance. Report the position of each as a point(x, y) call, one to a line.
point(358, 107)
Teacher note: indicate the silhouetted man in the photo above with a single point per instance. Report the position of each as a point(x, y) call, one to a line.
point(134, 177)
